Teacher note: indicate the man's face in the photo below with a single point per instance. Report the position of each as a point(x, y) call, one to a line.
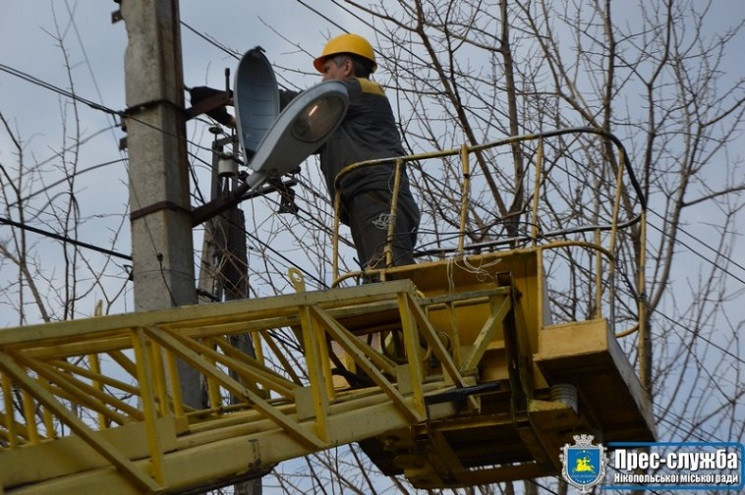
point(333, 72)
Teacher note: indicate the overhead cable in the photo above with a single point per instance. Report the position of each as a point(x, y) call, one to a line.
point(64, 238)
point(57, 89)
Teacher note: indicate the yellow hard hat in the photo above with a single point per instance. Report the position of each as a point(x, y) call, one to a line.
point(346, 43)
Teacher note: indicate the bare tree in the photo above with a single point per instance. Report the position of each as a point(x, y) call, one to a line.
point(42, 195)
point(661, 78)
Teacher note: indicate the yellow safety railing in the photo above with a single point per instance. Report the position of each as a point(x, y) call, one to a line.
point(626, 196)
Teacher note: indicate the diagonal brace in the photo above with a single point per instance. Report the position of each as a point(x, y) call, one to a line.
point(99, 444)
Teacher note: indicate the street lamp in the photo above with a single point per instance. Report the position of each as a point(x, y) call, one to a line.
point(301, 128)
point(276, 144)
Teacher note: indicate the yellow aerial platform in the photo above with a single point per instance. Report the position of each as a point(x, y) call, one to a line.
point(449, 371)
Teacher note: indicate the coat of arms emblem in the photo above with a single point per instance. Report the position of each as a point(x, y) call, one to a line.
point(583, 463)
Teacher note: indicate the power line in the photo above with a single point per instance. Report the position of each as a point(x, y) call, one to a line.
point(695, 431)
point(212, 41)
point(717, 253)
point(73, 96)
point(68, 94)
point(319, 14)
point(705, 339)
point(64, 238)
point(86, 245)
point(58, 90)
point(66, 178)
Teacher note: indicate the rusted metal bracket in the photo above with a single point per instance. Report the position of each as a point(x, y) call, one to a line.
point(206, 211)
point(160, 205)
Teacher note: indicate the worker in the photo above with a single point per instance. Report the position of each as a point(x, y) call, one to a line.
point(368, 132)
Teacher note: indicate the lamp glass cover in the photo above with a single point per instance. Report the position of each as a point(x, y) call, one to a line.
point(317, 119)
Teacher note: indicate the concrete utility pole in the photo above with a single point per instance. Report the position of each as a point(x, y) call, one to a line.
point(162, 246)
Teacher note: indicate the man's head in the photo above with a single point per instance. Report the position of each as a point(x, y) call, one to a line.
point(344, 56)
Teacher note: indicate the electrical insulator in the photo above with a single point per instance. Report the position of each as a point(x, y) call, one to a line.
point(227, 166)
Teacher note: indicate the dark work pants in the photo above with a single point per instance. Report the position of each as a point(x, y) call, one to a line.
point(369, 217)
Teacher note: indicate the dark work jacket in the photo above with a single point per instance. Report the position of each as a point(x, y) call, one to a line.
point(368, 132)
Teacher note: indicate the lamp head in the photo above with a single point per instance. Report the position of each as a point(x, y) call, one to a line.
point(300, 130)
